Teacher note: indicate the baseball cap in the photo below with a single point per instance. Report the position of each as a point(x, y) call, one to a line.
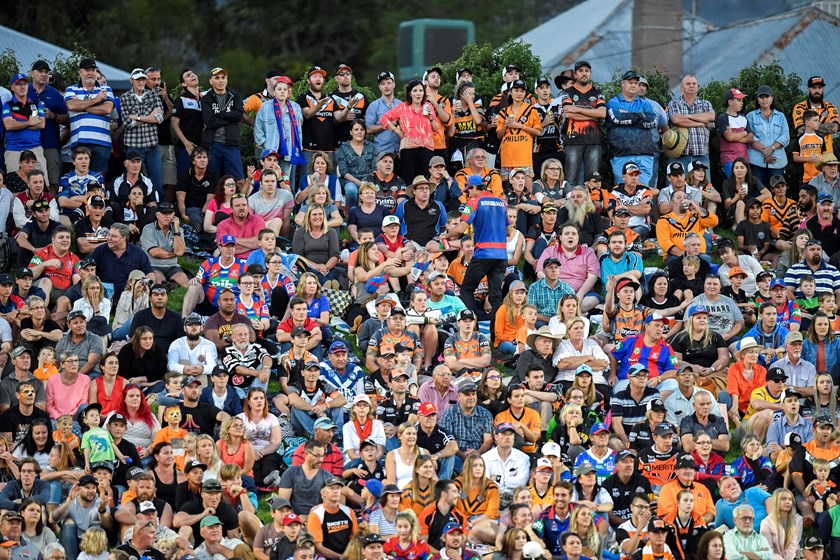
point(676, 168)
point(621, 211)
point(776, 374)
point(637, 369)
point(324, 423)
point(581, 63)
point(87, 479)
point(385, 75)
point(654, 317)
point(381, 155)
point(219, 371)
point(813, 542)
point(99, 201)
point(305, 539)
point(40, 203)
point(194, 464)
point(630, 75)
point(133, 156)
point(777, 282)
point(437, 69)
point(11, 514)
point(138, 74)
point(397, 311)
point(19, 77)
point(269, 152)
point(312, 364)
point(134, 472)
point(20, 350)
point(278, 503)
point(466, 315)
point(338, 346)
point(227, 240)
point(437, 160)
point(517, 285)
point(823, 420)
point(735, 271)
point(193, 319)
point(584, 468)
point(7, 542)
point(116, 417)
point(663, 429)
point(505, 427)
point(426, 409)
point(451, 527)
point(87, 63)
point(518, 84)
point(342, 68)
point(542, 80)
point(583, 369)
point(548, 206)
point(597, 428)
point(467, 386)
point(372, 538)
point(794, 336)
point(824, 198)
point(544, 464)
point(475, 181)
point(390, 220)
point(686, 461)
point(657, 525)
point(210, 520)
point(630, 167)
point(762, 275)
point(211, 485)
point(550, 261)
point(624, 454)
point(146, 507)
point(291, 518)
point(70, 316)
point(763, 90)
point(101, 465)
point(333, 480)
point(733, 93)
point(594, 176)
point(217, 71)
point(777, 180)
point(816, 81)
point(626, 283)
point(551, 449)
point(40, 65)
point(792, 393)
point(189, 380)
point(84, 263)
point(656, 405)
point(24, 272)
point(753, 202)
point(300, 331)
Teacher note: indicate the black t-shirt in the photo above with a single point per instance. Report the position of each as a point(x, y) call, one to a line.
point(152, 553)
point(695, 352)
point(37, 237)
point(421, 223)
point(99, 234)
point(754, 234)
point(199, 420)
point(622, 494)
point(196, 189)
point(360, 219)
point(318, 132)
point(377, 473)
point(129, 450)
point(14, 422)
point(675, 270)
point(342, 129)
point(225, 512)
point(166, 330)
point(188, 110)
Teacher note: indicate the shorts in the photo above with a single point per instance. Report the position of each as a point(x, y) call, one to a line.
point(168, 271)
point(54, 295)
point(168, 164)
point(741, 431)
point(506, 171)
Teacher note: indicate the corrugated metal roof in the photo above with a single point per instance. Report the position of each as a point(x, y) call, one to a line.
point(29, 49)
point(812, 52)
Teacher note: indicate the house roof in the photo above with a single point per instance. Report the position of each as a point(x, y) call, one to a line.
point(28, 49)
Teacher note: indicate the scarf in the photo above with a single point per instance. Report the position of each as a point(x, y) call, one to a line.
point(364, 432)
point(297, 157)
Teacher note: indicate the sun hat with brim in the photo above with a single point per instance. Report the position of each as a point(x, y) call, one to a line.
point(419, 180)
point(674, 142)
point(544, 332)
point(827, 159)
point(747, 343)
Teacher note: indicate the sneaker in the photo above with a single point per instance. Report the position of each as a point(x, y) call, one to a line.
point(272, 480)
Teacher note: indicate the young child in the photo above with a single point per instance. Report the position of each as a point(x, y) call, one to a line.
point(809, 303)
point(734, 291)
point(828, 305)
point(811, 146)
point(447, 247)
point(529, 316)
point(173, 433)
point(64, 432)
point(406, 544)
point(46, 363)
point(686, 288)
point(762, 294)
point(97, 442)
point(172, 393)
point(405, 364)
point(94, 545)
point(284, 546)
point(234, 493)
point(754, 234)
point(189, 447)
point(167, 547)
point(821, 487)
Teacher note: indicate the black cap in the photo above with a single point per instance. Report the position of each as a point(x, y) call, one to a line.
point(272, 73)
point(816, 81)
point(40, 203)
point(84, 263)
point(542, 80)
point(219, 370)
point(518, 84)
point(373, 538)
point(510, 67)
point(87, 63)
point(550, 261)
point(656, 405)
point(631, 75)
point(133, 156)
point(134, 472)
point(663, 429)
point(211, 485)
point(657, 525)
point(25, 272)
point(166, 208)
point(116, 417)
point(676, 168)
point(686, 461)
point(40, 65)
point(776, 374)
point(581, 63)
point(385, 75)
point(256, 269)
point(298, 331)
point(397, 311)
point(101, 465)
point(87, 479)
point(193, 319)
point(466, 314)
point(5, 279)
point(813, 542)
point(594, 176)
point(96, 201)
point(194, 464)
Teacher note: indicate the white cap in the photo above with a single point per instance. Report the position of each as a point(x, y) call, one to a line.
point(388, 220)
point(552, 449)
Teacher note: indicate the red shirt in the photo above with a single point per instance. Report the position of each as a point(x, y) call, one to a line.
point(333, 459)
point(62, 276)
point(287, 325)
point(251, 228)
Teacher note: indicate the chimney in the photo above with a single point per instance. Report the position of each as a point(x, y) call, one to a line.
point(658, 36)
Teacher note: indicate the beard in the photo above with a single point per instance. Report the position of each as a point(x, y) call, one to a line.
point(815, 98)
point(816, 259)
point(807, 206)
point(577, 214)
point(193, 337)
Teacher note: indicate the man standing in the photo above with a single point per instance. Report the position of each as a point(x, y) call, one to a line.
point(320, 113)
point(829, 119)
point(243, 226)
point(187, 121)
point(55, 113)
point(584, 108)
point(488, 217)
point(23, 121)
point(384, 140)
point(169, 174)
point(352, 104)
point(735, 132)
point(142, 112)
point(222, 110)
point(90, 106)
point(442, 107)
point(164, 243)
point(630, 119)
point(690, 112)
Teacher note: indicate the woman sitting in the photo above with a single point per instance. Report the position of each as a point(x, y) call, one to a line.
point(134, 298)
point(320, 195)
point(143, 362)
point(320, 174)
point(362, 426)
point(479, 500)
point(753, 468)
point(107, 389)
point(219, 208)
point(383, 520)
point(263, 431)
point(420, 492)
point(821, 346)
point(141, 424)
point(783, 526)
point(68, 390)
point(235, 449)
point(95, 306)
point(399, 462)
point(33, 527)
point(318, 244)
point(38, 330)
point(355, 160)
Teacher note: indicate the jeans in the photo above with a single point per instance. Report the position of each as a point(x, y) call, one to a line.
point(507, 347)
point(644, 162)
point(122, 332)
point(291, 172)
point(727, 168)
point(446, 467)
point(304, 424)
point(654, 178)
point(182, 158)
point(351, 194)
point(581, 160)
point(196, 219)
point(69, 538)
point(58, 491)
point(154, 167)
point(99, 157)
point(763, 174)
point(226, 160)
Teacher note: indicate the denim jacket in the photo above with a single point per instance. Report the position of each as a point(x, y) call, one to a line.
point(767, 131)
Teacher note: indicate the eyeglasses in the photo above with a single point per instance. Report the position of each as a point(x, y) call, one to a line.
point(230, 184)
point(552, 169)
point(494, 377)
point(71, 360)
point(316, 455)
point(275, 262)
point(343, 74)
point(704, 443)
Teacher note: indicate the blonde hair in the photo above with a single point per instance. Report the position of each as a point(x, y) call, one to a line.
point(214, 464)
point(366, 185)
point(90, 280)
point(789, 526)
point(307, 224)
point(224, 431)
point(411, 517)
point(302, 282)
point(690, 332)
point(94, 541)
point(229, 471)
point(591, 535)
point(310, 200)
point(569, 407)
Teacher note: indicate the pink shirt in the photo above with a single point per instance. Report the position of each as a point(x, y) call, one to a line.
point(64, 399)
point(574, 269)
point(250, 228)
point(428, 392)
point(415, 126)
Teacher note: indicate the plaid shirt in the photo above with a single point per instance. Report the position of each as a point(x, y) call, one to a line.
point(545, 298)
point(140, 134)
point(468, 431)
point(698, 137)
